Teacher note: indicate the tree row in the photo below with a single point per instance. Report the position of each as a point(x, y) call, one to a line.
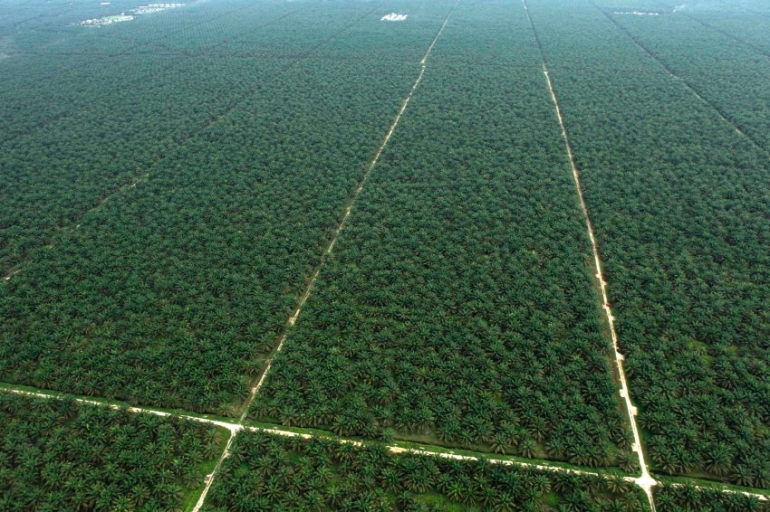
point(267, 472)
point(62, 455)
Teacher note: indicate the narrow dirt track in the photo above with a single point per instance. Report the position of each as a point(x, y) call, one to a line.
point(324, 256)
point(428, 451)
point(645, 480)
point(293, 319)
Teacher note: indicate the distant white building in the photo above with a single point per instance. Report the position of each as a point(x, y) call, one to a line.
point(394, 17)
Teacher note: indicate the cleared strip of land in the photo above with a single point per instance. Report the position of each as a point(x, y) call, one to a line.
point(293, 318)
point(183, 286)
point(372, 478)
point(675, 196)
point(457, 306)
point(645, 481)
point(396, 447)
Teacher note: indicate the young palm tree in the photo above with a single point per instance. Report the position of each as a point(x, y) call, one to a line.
point(500, 443)
point(719, 459)
point(743, 475)
point(504, 502)
point(456, 492)
point(527, 448)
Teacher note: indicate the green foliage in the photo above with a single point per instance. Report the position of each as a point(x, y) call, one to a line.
point(731, 74)
point(171, 293)
point(679, 201)
point(267, 472)
point(62, 455)
point(685, 498)
point(84, 112)
point(169, 184)
point(458, 303)
point(86, 115)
